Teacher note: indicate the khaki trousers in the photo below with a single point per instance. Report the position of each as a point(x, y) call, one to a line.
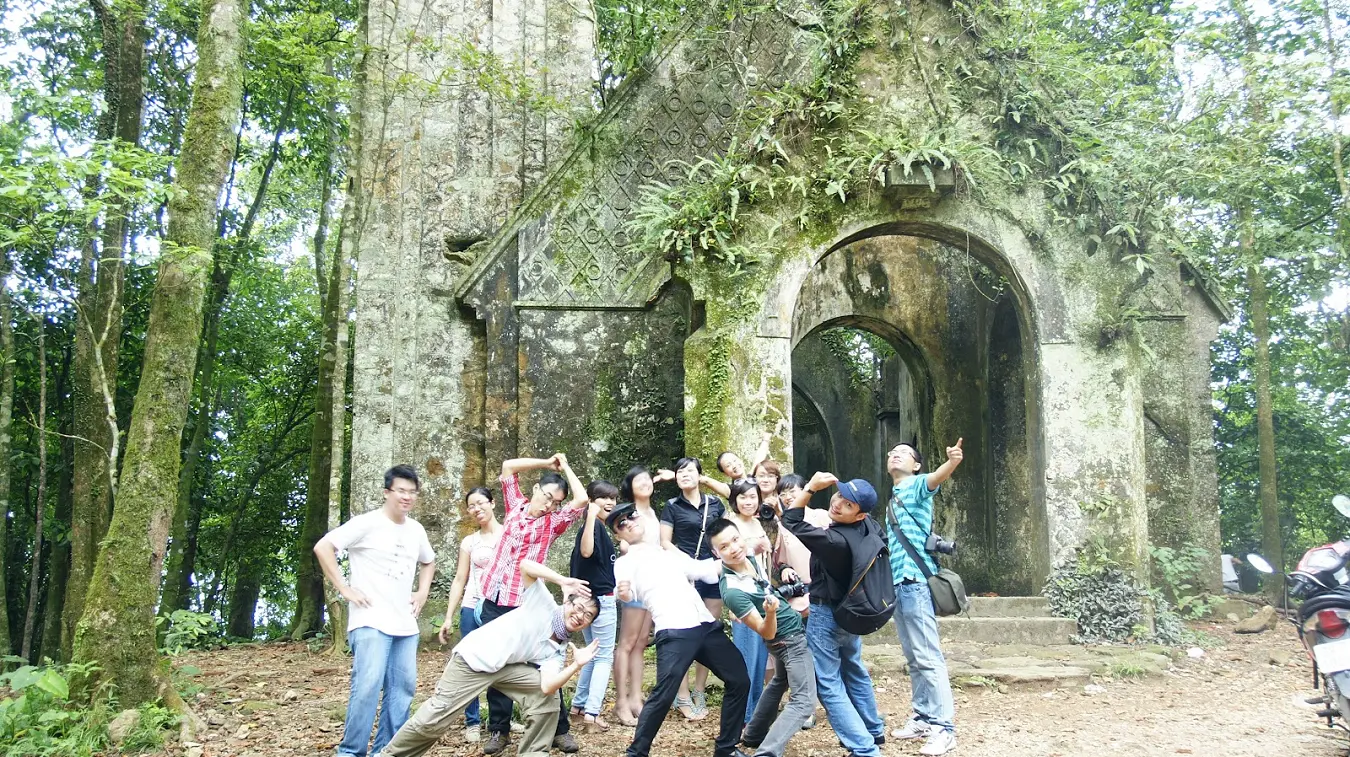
point(460, 685)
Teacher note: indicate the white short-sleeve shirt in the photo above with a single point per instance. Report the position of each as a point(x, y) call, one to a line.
point(383, 557)
point(660, 579)
point(523, 635)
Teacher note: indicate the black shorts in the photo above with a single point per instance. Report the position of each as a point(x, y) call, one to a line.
point(708, 591)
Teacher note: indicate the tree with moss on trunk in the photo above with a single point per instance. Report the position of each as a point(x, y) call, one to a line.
point(117, 629)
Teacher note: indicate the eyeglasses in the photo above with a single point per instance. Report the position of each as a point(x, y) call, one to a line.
point(403, 492)
point(625, 520)
point(556, 500)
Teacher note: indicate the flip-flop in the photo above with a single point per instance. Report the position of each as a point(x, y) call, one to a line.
point(596, 725)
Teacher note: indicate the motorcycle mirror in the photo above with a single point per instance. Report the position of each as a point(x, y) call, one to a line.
point(1342, 504)
point(1259, 563)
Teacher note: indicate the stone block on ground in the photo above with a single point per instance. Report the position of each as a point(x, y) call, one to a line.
point(123, 725)
point(1264, 620)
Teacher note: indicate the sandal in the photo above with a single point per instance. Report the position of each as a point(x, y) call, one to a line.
point(687, 709)
point(700, 703)
point(576, 713)
point(595, 725)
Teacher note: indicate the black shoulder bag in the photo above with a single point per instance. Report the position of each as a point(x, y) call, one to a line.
point(947, 588)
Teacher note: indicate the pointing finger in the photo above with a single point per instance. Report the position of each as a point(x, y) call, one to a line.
point(958, 442)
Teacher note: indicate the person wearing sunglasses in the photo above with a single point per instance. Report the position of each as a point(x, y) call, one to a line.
point(531, 525)
point(685, 630)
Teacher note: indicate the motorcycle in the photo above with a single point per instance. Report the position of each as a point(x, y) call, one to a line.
point(1323, 619)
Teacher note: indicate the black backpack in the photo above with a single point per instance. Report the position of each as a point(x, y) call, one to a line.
point(870, 600)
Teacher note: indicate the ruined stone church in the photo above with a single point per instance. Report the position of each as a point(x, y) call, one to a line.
point(504, 308)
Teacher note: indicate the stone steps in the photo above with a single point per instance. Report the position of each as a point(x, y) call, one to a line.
point(997, 620)
point(1029, 664)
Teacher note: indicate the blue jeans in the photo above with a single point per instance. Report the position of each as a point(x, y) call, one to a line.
point(468, 621)
point(594, 680)
point(756, 656)
point(842, 683)
point(380, 663)
point(916, 624)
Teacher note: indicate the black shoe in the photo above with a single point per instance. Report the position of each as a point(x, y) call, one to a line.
point(879, 740)
point(739, 753)
point(566, 743)
point(495, 743)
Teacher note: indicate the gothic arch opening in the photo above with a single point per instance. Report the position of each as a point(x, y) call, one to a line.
point(901, 338)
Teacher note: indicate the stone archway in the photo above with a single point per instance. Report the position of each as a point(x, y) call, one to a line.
point(958, 367)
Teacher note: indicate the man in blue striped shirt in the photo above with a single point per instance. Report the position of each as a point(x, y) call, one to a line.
point(911, 517)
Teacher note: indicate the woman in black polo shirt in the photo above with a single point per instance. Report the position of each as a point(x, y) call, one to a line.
point(684, 526)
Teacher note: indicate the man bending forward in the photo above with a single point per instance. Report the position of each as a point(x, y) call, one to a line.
point(522, 655)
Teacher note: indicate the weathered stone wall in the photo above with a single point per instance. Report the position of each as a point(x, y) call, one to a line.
point(561, 286)
point(443, 163)
point(935, 304)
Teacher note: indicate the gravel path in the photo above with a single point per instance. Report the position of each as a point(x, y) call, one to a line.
point(282, 699)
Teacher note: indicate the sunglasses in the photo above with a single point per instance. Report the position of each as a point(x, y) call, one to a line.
point(625, 520)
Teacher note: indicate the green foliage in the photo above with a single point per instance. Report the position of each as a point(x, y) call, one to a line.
point(38, 717)
point(1180, 574)
point(1104, 601)
point(862, 351)
point(188, 630)
point(1110, 606)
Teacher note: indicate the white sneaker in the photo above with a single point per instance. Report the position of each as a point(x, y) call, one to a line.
point(940, 742)
point(517, 727)
point(913, 729)
point(471, 734)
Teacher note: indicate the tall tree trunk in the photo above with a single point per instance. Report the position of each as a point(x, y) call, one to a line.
point(6, 443)
point(309, 583)
point(1272, 543)
point(99, 315)
point(117, 629)
point(40, 510)
point(58, 565)
point(1333, 68)
point(350, 223)
point(1259, 308)
point(177, 582)
point(243, 603)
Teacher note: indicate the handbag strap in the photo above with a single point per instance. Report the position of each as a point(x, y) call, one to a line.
point(909, 549)
point(703, 501)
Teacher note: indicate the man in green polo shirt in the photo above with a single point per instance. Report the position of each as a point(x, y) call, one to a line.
point(747, 594)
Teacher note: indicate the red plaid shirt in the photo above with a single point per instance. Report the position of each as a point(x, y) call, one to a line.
point(523, 538)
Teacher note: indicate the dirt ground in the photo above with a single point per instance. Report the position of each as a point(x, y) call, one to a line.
point(282, 699)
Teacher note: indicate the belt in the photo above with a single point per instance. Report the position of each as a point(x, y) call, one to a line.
point(909, 580)
point(782, 641)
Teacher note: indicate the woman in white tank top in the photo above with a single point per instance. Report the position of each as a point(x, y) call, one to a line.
point(475, 552)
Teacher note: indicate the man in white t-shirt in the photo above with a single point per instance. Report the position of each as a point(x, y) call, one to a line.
point(384, 548)
point(685, 631)
point(523, 655)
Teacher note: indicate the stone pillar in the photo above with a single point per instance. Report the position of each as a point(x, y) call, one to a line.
point(443, 165)
point(737, 385)
point(1092, 415)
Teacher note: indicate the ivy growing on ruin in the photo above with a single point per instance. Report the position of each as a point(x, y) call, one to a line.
point(1013, 108)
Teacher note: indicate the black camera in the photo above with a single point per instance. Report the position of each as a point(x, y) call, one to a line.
point(940, 545)
point(792, 590)
point(767, 512)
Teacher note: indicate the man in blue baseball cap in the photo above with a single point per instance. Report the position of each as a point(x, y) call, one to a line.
point(843, 685)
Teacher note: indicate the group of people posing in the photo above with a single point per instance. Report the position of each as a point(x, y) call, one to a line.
point(640, 571)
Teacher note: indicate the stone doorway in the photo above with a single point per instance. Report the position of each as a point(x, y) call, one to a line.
point(903, 339)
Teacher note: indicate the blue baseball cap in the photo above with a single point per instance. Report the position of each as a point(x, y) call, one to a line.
point(860, 493)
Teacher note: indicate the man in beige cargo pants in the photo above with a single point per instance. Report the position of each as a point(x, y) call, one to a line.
point(523, 655)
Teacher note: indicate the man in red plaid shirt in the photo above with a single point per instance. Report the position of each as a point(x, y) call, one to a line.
point(531, 525)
